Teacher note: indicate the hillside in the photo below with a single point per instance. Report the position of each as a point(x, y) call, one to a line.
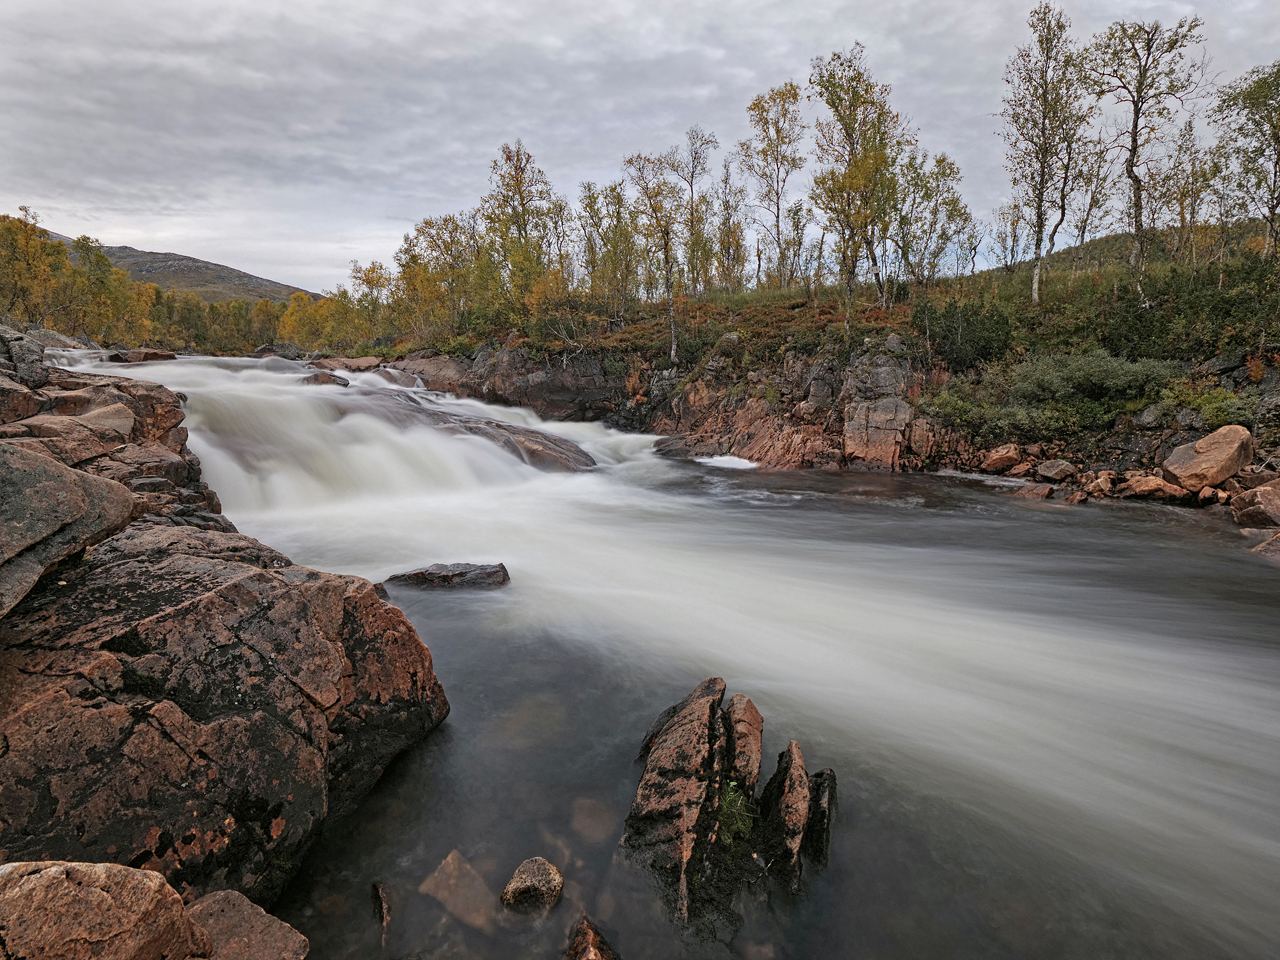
point(211, 282)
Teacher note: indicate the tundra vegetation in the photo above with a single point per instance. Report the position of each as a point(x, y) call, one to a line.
point(1139, 236)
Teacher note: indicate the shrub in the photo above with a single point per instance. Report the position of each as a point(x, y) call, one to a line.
point(963, 335)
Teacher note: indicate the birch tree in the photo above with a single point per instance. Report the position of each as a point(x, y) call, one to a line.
point(1147, 69)
point(691, 164)
point(659, 203)
point(771, 157)
point(1046, 110)
point(1247, 112)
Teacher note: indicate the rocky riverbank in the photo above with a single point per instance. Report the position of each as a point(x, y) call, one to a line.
point(174, 696)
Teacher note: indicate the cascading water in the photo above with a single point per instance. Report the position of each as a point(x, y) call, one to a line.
point(1058, 730)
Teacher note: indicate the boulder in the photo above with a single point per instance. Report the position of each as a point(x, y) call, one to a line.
point(536, 885)
point(140, 356)
point(675, 803)
point(396, 377)
point(16, 401)
point(1055, 470)
point(1210, 460)
point(816, 844)
point(462, 892)
point(26, 356)
point(999, 459)
point(1021, 469)
point(455, 575)
point(241, 930)
point(1152, 488)
point(93, 911)
point(784, 814)
point(201, 705)
point(588, 943)
point(745, 728)
point(1100, 487)
point(1077, 497)
point(49, 512)
point(1034, 491)
point(1259, 507)
point(52, 338)
point(324, 378)
point(285, 351)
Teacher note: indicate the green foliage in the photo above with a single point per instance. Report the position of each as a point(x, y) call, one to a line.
point(1217, 405)
point(962, 335)
point(735, 814)
point(1091, 376)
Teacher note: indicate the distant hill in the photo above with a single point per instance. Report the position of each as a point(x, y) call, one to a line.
point(211, 282)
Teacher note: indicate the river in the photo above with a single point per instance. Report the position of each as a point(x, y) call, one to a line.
point(1056, 730)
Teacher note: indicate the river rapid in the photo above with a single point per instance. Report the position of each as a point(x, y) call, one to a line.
point(1056, 730)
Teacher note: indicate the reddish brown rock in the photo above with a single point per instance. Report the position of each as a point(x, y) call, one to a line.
point(1100, 487)
point(1209, 461)
point(1077, 497)
point(1259, 507)
point(1152, 488)
point(674, 809)
point(444, 374)
point(588, 943)
point(142, 355)
point(1022, 469)
point(16, 401)
point(784, 814)
point(462, 892)
point(1034, 491)
point(745, 727)
point(239, 929)
point(198, 705)
point(875, 432)
point(1055, 470)
point(326, 379)
point(999, 459)
point(536, 885)
point(93, 911)
point(49, 512)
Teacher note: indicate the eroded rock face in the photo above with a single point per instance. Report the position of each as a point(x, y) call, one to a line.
point(239, 929)
point(745, 728)
point(48, 512)
point(93, 911)
point(875, 432)
point(1209, 461)
point(191, 702)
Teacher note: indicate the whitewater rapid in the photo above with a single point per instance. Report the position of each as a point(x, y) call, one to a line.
point(1034, 665)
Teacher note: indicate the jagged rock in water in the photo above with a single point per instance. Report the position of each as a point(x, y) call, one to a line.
point(672, 818)
point(455, 575)
point(536, 885)
point(745, 728)
point(1210, 460)
point(285, 351)
point(349, 364)
point(588, 943)
point(241, 930)
point(324, 378)
point(94, 911)
point(140, 356)
point(203, 704)
point(49, 512)
point(822, 813)
point(1259, 507)
point(784, 815)
point(1152, 488)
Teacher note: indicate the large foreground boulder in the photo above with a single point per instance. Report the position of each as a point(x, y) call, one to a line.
point(1210, 460)
point(191, 702)
point(49, 511)
point(93, 911)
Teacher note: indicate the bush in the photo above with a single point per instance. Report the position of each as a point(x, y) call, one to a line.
point(963, 335)
point(1094, 376)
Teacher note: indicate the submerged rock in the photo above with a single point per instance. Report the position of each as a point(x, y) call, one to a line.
point(94, 911)
point(1034, 491)
point(536, 885)
point(462, 892)
point(455, 575)
point(1210, 460)
point(822, 814)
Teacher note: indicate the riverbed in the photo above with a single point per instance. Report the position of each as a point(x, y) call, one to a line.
point(1056, 729)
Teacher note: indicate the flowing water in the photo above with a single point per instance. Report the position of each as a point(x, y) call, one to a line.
point(1056, 730)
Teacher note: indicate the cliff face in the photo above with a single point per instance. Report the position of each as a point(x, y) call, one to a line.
point(174, 695)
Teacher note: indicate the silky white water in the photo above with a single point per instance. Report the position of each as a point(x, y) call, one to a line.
point(987, 651)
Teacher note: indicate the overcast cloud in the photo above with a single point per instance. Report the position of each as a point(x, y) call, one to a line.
point(288, 138)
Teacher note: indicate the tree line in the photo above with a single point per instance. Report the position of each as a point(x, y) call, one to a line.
point(832, 191)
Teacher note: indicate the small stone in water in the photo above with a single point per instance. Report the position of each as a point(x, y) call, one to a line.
point(535, 885)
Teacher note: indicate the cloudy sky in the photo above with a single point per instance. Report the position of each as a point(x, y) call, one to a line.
point(288, 137)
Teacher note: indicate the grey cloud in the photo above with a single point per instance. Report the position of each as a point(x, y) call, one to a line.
point(289, 138)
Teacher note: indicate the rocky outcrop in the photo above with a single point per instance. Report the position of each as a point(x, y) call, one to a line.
point(484, 575)
point(239, 929)
point(48, 513)
point(285, 351)
point(94, 911)
point(1209, 461)
point(141, 355)
point(695, 825)
point(191, 702)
